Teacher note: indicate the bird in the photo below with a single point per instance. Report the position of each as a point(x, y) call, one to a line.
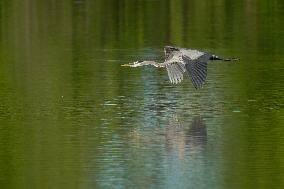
point(180, 60)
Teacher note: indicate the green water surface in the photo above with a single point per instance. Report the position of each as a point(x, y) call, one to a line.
point(72, 117)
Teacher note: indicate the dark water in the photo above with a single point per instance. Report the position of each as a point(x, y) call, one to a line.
point(71, 117)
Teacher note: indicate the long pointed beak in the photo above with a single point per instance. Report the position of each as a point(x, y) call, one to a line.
point(131, 64)
point(125, 65)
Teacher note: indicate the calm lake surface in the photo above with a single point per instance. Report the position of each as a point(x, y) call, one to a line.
point(72, 117)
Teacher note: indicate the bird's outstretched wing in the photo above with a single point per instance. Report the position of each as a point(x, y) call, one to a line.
point(175, 71)
point(197, 69)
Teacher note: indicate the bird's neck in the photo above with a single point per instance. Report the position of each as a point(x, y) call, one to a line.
point(154, 63)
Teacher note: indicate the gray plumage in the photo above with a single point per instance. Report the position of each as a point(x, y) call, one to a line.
point(179, 60)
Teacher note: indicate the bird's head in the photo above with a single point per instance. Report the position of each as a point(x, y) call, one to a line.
point(134, 64)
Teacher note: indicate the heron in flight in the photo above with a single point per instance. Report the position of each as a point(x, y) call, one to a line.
point(179, 60)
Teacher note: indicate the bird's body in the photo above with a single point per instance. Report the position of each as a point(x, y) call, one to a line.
point(179, 60)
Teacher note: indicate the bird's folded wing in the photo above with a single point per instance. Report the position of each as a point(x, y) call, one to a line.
point(175, 71)
point(197, 69)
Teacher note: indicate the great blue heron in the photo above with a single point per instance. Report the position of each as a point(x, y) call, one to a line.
point(178, 60)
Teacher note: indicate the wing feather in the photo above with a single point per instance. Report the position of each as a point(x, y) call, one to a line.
point(175, 71)
point(197, 69)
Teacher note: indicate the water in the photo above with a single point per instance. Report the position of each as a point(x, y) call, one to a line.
point(71, 117)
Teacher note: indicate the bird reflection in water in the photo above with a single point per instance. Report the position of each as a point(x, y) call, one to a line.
point(180, 137)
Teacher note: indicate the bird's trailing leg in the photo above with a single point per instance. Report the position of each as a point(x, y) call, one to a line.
point(231, 59)
point(214, 57)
